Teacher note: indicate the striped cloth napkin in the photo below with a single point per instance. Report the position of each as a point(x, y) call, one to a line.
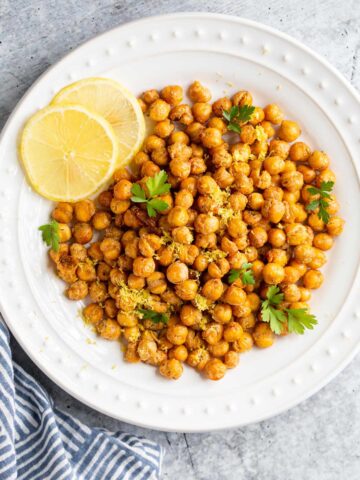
point(40, 442)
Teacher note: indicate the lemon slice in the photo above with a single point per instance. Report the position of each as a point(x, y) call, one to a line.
point(68, 152)
point(116, 104)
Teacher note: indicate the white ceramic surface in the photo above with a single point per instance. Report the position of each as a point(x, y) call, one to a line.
point(227, 54)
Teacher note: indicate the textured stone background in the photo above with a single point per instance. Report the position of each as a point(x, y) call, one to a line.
point(318, 440)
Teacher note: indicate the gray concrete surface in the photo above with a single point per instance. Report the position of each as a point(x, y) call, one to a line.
point(319, 439)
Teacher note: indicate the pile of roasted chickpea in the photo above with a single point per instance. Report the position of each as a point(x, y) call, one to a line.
point(234, 199)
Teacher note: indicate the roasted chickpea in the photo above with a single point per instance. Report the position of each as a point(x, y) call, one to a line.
point(172, 94)
point(234, 295)
point(335, 226)
point(159, 110)
point(150, 96)
point(177, 272)
point(292, 181)
point(313, 279)
point(289, 131)
point(198, 93)
point(258, 237)
point(86, 271)
point(213, 333)
point(231, 359)
point(241, 98)
point(93, 313)
point(299, 152)
point(273, 114)
point(273, 210)
point(64, 232)
point(233, 332)
point(63, 212)
point(143, 266)
point(206, 224)
point(215, 369)
point(316, 223)
point(305, 294)
point(326, 175)
point(222, 313)
point(110, 248)
point(280, 148)
point(319, 160)
point(82, 232)
point(178, 216)
point(248, 134)
point(177, 334)
point(201, 111)
point(198, 358)
point(244, 344)
point(291, 293)
point(109, 329)
point(84, 210)
point(211, 137)
point(190, 315)
point(304, 253)
point(276, 237)
point(162, 129)
point(213, 289)
point(236, 227)
point(77, 290)
point(187, 289)
point(172, 369)
point(263, 336)
point(296, 233)
point(101, 220)
point(273, 273)
point(257, 116)
point(220, 105)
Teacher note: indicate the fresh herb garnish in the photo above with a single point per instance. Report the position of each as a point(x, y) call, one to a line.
point(245, 273)
point(298, 319)
point(156, 185)
point(50, 235)
point(321, 203)
point(153, 316)
point(237, 115)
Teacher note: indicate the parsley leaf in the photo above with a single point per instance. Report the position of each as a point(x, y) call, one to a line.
point(244, 272)
point(321, 203)
point(299, 319)
point(50, 235)
point(156, 185)
point(153, 316)
point(237, 115)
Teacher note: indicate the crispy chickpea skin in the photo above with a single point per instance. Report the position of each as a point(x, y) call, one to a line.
point(263, 336)
point(172, 369)
point(215, 369)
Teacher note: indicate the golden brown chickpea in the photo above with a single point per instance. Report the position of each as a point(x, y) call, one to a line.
point(127, 319)
point(182, 235)
point(299, 267)
point(142, 104)
point(143, 266)
point(258, 237)
point(296, 233)
point(163, 129)
point(64, 232)
point(244, 344)
point(273, 210)
point(77, 290)
point(110, 248)
point(195, 131)
point(234, 295)
point(198, 93)
point(190, 315)
point(148, 169)
point(273, 273)
point(293, 181)
point(177, 272)
point(63, 212)
point(313, 279)
point(206, 224)
point(291, 293)
point(232, 332)
point(153, 142)
point(276, 255)
point(268, 128)
point(165, 256)
point(276, 237)
point(223, 177)
point(178, 216)
point(257, 116)
point(176, 334)
point(180, 168)
point(137, 283)
point(94, 251)
point(105, 198)
point(220, 105)
point(109, 329)
point(122, 189)
point(280, 148)
point(242, 98)
point(307, 173)
point(236, 227)
point(319, 160)
point(189, 184)
point(212, 289)
point(84, 210)
point(219, 268)
point(244, 184)
point(335, 226)
point(110, 308)
point(222, 313)
point(180, 353)
point(219, 349)
point(304, 253)
point(181, 113)
point(326, 175)
point(212, 333)
point(78, 252)
point(119, 206)
point(305, 294)
point(101, 220)
point(211, 137)
point(187, 289)
point(86, 271)
point(273, 114)
point(215, 369)
point(292, 274)
point(132, 249)
point(299, 152)
point(172, 369)
point(240, 152)
point(159, 110)
point(274, 164)
point(184, 199)
point(289, 131)
point(316, 223)
point(263, 336)
point(248, 134)
point(179, 137)
point(121, 173)
point(198, 358)
point(172, 94)
point(83, 233)
point(231, 359)
point(150, 96)
point(156, 283)
point(201, 111)
point(256, 201)
point(93, 313)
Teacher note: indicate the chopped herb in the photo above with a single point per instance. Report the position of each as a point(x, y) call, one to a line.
point(153, 316)
point(321, 203)
point(238, 115)
point(156, 186)
point(50, 235)
point(298, 319)
point(245, 273)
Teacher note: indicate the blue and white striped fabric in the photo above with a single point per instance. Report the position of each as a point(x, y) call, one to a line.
point(39, 442)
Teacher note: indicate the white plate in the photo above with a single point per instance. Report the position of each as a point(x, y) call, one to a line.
point(227, 54)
